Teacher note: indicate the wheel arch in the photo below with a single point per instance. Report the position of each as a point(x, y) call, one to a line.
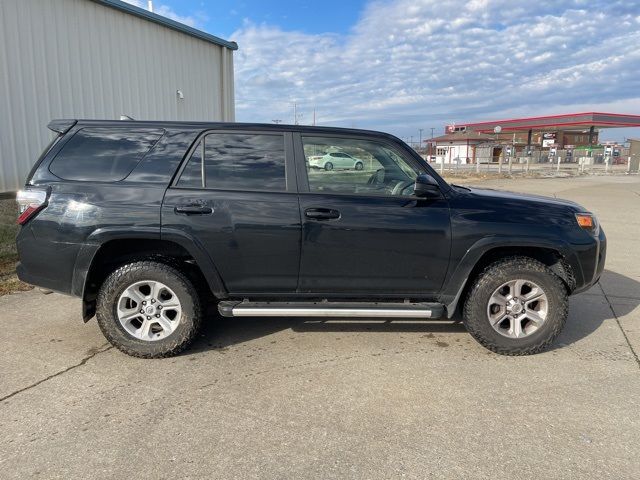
point(556, 256)
point(96, 262)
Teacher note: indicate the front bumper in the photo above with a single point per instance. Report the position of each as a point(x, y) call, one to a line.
point(588, 262)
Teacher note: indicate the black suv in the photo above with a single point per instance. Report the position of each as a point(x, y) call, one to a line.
point(150, 222)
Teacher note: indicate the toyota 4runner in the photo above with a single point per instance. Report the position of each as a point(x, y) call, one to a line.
point(150, 222)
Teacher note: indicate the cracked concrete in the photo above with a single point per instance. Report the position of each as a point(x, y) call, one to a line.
point(104, 348)
point(301, 398)
point(613, 312)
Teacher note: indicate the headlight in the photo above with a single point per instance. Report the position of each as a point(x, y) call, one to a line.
point(588, 222)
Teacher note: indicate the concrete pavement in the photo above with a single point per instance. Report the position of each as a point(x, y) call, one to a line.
point(298, 398)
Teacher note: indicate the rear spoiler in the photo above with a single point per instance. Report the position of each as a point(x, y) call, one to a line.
point(61, 126)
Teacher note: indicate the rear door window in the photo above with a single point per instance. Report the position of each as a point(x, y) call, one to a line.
point(237, 161)
point(103, 154)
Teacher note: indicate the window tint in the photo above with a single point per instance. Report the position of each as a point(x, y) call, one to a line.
point(103, 154)
point(237, 162)
point(375, 168)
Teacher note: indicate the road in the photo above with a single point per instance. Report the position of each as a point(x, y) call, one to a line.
point(296, 398)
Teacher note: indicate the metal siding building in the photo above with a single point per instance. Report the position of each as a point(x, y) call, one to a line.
point(100, 59)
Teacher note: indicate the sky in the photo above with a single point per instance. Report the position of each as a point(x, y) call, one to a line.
point(404, 65)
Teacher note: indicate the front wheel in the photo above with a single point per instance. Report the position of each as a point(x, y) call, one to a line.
point(328, 166)
point(516, 306)
point(359, 166)
point(149, 309)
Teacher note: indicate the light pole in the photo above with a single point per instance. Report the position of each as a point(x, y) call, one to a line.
point(431, 144)
point(420, 142)
point(497, 131)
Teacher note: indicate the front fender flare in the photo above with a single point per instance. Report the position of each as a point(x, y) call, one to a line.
point(455, 283)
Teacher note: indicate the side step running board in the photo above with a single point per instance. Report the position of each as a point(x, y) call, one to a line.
point(330, 309)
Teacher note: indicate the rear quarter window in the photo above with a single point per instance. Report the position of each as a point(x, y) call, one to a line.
point(103, 154)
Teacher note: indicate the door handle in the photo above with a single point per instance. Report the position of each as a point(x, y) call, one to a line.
point(322, 214)
point(193, 209)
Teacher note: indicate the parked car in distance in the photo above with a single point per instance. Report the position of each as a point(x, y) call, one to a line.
point(151, 222)
point(332, 160)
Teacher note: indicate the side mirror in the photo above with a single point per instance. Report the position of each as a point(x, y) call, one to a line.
point(426, 187)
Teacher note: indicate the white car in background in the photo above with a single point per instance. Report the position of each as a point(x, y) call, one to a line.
point(332, 160)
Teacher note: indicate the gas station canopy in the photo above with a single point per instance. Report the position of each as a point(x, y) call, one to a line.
point(566, 122)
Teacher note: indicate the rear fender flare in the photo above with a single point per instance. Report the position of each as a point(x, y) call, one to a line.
point(202, 258)
point(93, 243)
point(101, 236)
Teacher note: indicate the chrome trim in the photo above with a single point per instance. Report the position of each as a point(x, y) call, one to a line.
point(240, 311)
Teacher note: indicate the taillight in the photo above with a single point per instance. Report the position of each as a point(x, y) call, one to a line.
point(30, 202)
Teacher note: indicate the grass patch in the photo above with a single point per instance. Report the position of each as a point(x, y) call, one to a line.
point(8, 256)
point(9, 282)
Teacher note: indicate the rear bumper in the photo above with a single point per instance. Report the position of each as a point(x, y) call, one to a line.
point(25, 275)
point(44, 263)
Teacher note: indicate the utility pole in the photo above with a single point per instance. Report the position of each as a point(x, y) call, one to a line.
point(296, 116)
point(420, 142)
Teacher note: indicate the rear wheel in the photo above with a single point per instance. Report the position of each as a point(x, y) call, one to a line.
point(359, 166)
point(149, 309)
point(328, 166)
point(516, 306)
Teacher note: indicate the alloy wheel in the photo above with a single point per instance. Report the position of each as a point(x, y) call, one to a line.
point(149, 310)
point(517, 308)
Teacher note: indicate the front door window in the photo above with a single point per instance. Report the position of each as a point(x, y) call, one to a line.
point(357, 166)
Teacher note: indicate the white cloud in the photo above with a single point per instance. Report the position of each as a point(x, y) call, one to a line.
point(168, 12)
point(408, 63)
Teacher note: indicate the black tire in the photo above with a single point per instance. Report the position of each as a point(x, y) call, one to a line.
point(123, 277)
point(328, 166)
point(475, 315)
point(359, 166)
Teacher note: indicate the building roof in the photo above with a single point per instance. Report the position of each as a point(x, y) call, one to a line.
point(569, 121)
point(463, 137)
point(167, 22)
